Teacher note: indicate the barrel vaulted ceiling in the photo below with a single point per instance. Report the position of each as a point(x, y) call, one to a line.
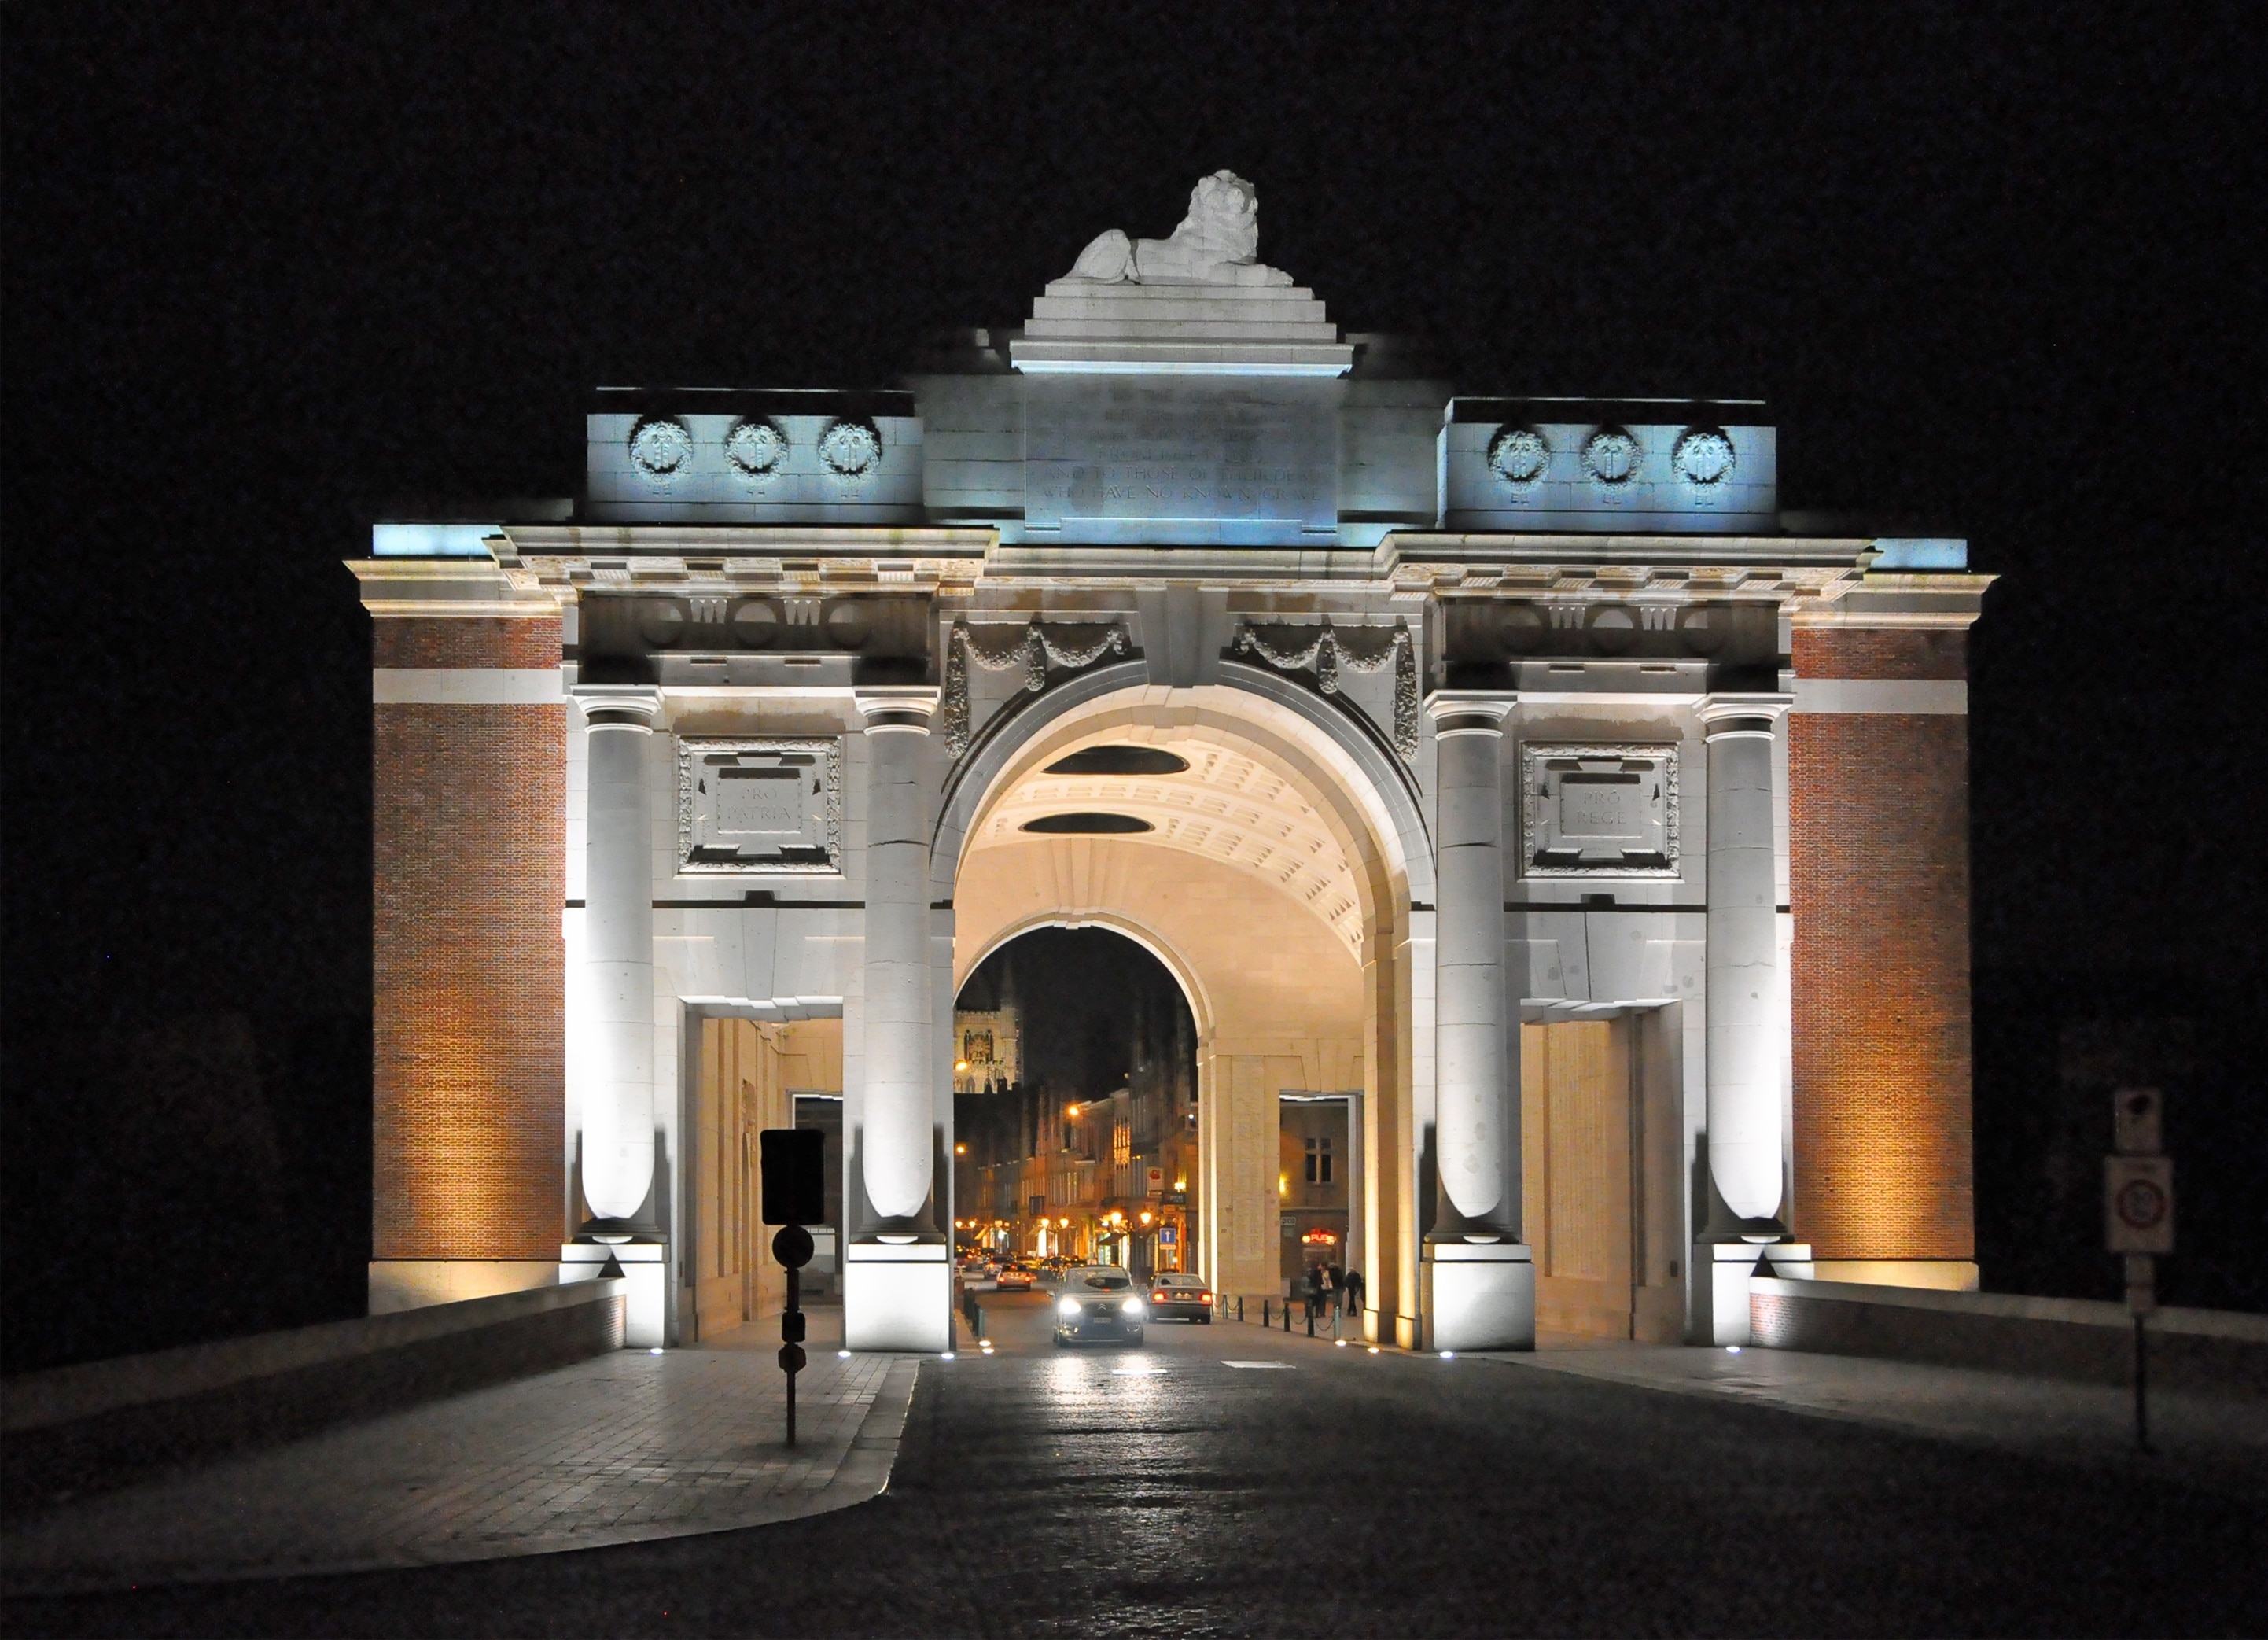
point(1225, 806)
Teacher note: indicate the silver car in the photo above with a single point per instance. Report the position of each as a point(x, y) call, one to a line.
point(1099, 1302)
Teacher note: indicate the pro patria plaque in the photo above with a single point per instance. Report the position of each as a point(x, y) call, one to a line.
point(1589, 811)
point(768, 805)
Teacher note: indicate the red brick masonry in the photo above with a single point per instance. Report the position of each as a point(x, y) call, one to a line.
point(470, 853)
point(1879, 856)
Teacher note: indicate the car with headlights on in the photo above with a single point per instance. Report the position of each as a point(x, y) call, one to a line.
point(1098, 1303)
point(1174, 1296)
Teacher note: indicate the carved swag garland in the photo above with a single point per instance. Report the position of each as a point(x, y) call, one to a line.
point(1327, 651)
point(1034, 650)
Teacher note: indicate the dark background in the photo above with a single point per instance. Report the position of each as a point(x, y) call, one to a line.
point(269, 272)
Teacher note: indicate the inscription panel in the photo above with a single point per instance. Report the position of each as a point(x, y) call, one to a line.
point(762, 806)
point(1592, 812)
point(1167, 458)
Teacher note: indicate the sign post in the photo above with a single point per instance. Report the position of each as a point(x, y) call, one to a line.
point(2137, 1221)
point(793, 1165)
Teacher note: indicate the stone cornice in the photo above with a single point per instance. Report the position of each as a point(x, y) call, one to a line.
point(445, 588)
point(1946, 601)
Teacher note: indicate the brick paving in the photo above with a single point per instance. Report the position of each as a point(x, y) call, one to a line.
point(613, 1450)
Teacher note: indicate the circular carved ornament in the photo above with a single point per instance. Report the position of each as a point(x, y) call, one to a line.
point(756, 622)
point(661, 445)
point(1521, 629)
point(1704, 456)
point(1518, 456)
point(849, 448)
point(755, 447)
point(1703, 628)
point(1610, 456)
point(660, 621)
point(1614, 629)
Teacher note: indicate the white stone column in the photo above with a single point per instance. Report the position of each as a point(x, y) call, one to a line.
point(897, 1275)
point(617, 1149)
point(617, 1135)
point(1480, 1286)
point(1743, 1024)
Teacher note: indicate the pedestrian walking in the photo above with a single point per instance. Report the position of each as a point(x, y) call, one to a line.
point(1335, 1280)
point(1353, 1283)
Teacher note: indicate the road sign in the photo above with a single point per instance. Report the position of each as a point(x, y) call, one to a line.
point(793, 1162)
point(2138, 1203)
point(2136, 1115)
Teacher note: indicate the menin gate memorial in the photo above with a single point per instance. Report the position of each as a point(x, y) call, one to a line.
point(1514, 768)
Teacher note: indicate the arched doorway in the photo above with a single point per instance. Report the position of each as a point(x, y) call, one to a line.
point(1075, 1107)
point(1269, 854)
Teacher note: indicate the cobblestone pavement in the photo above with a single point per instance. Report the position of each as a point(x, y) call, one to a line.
point(613, 1450)
point(1170, 1490)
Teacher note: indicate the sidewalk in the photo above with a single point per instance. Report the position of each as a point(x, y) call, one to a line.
point(619, 1448)
point(2214, 1442)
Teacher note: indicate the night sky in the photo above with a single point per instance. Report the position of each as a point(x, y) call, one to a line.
point(271, 273)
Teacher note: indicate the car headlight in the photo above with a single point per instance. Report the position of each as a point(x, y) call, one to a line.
point(1067, 1306)
point(1131, 1306)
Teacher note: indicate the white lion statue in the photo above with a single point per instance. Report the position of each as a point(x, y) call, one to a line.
point(1218, 243)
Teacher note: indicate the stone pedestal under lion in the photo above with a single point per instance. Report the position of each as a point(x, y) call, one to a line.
point(1217, 243)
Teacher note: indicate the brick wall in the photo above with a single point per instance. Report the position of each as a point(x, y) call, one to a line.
point(470, 875)
point(1879, 886)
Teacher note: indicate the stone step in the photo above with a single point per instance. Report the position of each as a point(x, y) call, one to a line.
point(1090, 289)
point(1189, 307)
point(1179, 329)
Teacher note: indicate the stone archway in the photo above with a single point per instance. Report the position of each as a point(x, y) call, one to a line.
point(1273, 880)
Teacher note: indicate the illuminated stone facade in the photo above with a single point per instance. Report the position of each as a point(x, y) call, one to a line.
point(1515, 769)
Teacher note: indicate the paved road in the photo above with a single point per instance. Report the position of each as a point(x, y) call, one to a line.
point(1168, 1492)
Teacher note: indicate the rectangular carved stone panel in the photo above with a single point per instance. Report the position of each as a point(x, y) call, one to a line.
point(1590, 811)
point(765, 805)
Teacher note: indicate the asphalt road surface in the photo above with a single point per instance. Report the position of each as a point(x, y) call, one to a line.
point(1168, 1490)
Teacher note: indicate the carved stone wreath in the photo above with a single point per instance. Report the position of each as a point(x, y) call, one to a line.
point(755, 447)
point(661, 445)
point(1326, 651)
point(1610, 457)
point(1034, 651)
point(1704, 456)
point(849, 448)
point(1518, 456)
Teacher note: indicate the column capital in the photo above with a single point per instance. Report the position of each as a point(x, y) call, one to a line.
point(1469, 711)
point(618, 706)
point(900, 708)
point(1731, 717)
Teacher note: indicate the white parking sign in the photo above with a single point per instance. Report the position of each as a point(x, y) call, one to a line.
point(2138, 1203)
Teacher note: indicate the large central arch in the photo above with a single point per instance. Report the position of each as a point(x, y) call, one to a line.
point(1277, 885)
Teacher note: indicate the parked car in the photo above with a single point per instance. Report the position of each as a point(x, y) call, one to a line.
point(1099, 1302)
point(1014, 1278)
point(1174, 1296)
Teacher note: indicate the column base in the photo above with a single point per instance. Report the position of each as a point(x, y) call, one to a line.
point(897, 1296)
point(1478, 1294)
point(645, 1264)
point(1724, 1268)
